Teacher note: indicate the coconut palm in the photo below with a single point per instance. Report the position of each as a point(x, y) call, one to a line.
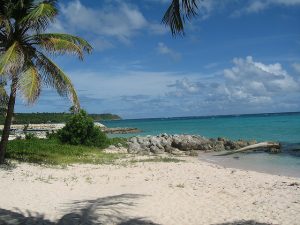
point(178, 12)
point(23, 61)
point(3, 97)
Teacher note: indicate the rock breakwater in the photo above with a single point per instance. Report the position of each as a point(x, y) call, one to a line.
point(182, 144)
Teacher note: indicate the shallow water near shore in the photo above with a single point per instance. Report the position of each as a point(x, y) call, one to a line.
point(280, 127)
point(284, 164)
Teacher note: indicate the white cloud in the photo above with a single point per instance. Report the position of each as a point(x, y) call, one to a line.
point(257, 78)
point(115, 20)
point(165, 50)
point(121, 20)
point(256, 6)
point(296, 67)
point(185, 86)
point(248, 84)
point(125, 82)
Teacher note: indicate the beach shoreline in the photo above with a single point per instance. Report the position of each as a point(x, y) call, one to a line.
point(261, 162)
point(189, 192)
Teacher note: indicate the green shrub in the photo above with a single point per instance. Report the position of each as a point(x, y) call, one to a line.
point(29, 136)
point(80, 130)
point(51, 135)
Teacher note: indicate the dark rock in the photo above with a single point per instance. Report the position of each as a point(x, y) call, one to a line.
point(156, 150)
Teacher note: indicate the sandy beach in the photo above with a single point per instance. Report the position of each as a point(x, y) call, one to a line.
point(189, 192)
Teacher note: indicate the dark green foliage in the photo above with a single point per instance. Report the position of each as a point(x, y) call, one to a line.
point(35, 118)
point(46, 151)
point(29, 136)
point(80, 130)
point(51, 135)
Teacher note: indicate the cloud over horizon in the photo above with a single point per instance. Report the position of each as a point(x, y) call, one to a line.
point(256, 86)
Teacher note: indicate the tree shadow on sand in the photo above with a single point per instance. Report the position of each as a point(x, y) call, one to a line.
point(243, 222)
point(108, 210)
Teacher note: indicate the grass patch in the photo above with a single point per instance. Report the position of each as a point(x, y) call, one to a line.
point(51, 151)
point(117, 140)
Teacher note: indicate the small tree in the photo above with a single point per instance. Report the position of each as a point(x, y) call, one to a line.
point(80, 130)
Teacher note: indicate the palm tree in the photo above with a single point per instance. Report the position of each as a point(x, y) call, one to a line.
point(3, 97)
point(178, 12)
point(23, 63)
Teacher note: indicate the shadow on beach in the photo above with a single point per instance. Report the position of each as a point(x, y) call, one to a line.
point(106, 210)
point(244, 222)
point(100, 211)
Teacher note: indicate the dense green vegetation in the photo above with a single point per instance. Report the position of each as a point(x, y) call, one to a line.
point(35, 118)
point(51, 151)
point(80, 141)
point(80, 130)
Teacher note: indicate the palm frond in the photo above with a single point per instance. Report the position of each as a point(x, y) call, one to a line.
point(62, 44)
point(5, 26)
point(54, 77)
point(40, 16)
point(176, 14)
point(172, 18)
point(12, 59)
point(29, 84)
point(190, 8)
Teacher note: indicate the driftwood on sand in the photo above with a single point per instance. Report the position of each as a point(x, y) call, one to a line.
point(269, 145)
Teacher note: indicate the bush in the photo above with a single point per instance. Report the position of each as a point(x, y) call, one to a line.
point(51, 135)
point(29, 136)
point(80, 130)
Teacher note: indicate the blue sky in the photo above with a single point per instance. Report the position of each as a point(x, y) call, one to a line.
point(236, 57)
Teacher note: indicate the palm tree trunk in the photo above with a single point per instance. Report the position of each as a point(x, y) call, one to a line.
point(8, 119)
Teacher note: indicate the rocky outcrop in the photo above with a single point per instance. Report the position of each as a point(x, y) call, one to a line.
point(181, 144)
point(120, 130)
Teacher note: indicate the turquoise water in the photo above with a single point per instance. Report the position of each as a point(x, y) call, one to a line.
point(283, 127)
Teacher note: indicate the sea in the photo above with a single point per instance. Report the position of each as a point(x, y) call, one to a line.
point(279, 127)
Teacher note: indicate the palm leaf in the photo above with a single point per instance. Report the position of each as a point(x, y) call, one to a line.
point(40, 16)
point(176, 14)
point(54, 77)
point(12, 59)
point(62, 44)
point(29, 84)
point(5, 24)
point(189, 7)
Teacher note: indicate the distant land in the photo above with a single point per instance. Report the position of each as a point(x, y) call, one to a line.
point(36, 118)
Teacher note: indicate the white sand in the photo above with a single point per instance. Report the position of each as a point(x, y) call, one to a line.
point(182, 193)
